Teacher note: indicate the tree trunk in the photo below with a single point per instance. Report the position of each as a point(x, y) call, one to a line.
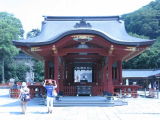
point(3, 81)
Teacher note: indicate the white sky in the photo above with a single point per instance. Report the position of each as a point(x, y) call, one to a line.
point(30, 12)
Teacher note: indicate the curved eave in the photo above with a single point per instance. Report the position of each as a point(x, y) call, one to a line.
point(107, 37)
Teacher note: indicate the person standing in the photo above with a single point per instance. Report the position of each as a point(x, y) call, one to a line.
point(24, 96)
point(50, 88)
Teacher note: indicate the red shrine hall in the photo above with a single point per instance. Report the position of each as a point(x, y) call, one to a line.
point(84, 52)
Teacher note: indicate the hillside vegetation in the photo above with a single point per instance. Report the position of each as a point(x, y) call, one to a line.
point(145, 22)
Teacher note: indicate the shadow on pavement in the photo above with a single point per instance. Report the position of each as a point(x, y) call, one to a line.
point(13, 104)
point(16, 113)
point(32, 102)
point(4, 96)
point(39, 112)
point(36, 102)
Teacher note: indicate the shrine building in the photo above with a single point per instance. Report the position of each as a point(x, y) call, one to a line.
point(84, 51)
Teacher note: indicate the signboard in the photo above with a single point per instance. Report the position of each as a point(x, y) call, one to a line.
point(82, 38)
point(35, 49)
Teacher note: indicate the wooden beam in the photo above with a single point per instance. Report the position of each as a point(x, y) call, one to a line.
point(82, 60)
point(100, 51)
point(83, 56)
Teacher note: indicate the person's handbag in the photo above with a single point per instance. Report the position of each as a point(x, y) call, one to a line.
point(55, 93)
point(25, 97)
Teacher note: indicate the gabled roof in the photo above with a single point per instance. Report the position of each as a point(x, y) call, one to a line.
point(139, 73)
point(109, 27)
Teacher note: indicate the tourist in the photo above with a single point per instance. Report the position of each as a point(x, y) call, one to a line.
point(51, 93)
point(24, 96)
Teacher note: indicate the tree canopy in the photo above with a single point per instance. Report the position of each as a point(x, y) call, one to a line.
point(33, 33)
point(145, 22)
point(10, 29)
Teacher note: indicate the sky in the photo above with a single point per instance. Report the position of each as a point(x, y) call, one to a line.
point(31, 12)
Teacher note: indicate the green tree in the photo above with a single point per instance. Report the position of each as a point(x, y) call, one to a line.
point(145, 21)
point(38, 67)
point(33, 33)
point(17, 71)
point(10, 29)
point(38, 70)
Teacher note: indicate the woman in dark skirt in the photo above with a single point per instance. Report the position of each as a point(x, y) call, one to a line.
point(24, 96)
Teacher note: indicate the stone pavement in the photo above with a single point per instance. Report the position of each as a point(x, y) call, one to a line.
point(137, 109)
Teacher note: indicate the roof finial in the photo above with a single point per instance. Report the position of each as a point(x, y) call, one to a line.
point(82, 23)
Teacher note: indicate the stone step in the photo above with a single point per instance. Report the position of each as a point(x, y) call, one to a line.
point(82, 98)
point(87, 101)
point(83, 103)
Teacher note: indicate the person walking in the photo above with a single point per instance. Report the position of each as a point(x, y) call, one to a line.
point(50, 86)
point(24, 96)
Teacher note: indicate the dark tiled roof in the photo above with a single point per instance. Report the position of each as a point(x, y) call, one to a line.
point(109, 27)
point(139, 73)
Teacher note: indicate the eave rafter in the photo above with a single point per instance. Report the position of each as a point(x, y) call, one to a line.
point(133, 52)
point(30, 52)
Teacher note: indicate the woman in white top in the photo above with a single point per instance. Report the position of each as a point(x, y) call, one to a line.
point(24, 96)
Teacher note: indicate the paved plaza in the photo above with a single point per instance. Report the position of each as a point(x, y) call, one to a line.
point(137, 109)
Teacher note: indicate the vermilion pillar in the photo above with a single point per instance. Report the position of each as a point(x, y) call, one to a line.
point(56, 71)
point(46, 69)
point(110, 82)
point(105, 81)
point(120, 71)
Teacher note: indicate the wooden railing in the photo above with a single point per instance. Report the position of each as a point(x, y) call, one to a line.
point(125, 90)
point(72, 90)
point(36, 89)
point(69, 90)
point(4, 85)
point(97, 90)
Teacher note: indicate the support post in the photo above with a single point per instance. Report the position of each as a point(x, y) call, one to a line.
point(56, 71)
point(158, 77)
point(46, 69)
point(120, 71)
point(107, 76)
point(110, 82)
point(3, 76)
point(158, 89)
point(105, 79)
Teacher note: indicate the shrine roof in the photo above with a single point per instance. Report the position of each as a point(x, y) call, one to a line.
point(140, 73)
point(111, 28)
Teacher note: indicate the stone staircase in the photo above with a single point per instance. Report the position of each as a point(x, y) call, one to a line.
point(87, 101)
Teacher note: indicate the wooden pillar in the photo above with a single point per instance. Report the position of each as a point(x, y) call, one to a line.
point(120, 71)
point(66, 74)
point(72, 77)
point(110, 82)
point(95, 73)
point(69, 74)
point(105, 79)
point(56, 71)
point(46, 67)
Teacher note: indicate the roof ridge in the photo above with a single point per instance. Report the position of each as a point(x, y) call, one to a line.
point(139, 69)
point(78, 18)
